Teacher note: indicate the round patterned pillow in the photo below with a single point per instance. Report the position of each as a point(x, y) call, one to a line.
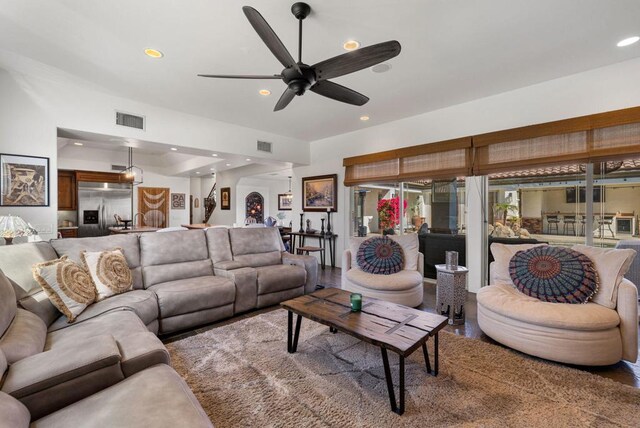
point(380, 255)
point(554, 274)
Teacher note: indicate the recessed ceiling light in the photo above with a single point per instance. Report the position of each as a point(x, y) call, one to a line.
point(228, 164)
point(381, 68)
point(173, 149)
point(364, 118)
point(153, 53)
point(197, 172)
point(212, 169)
point(214, 155)
point(248, 159)
point(77, 143)
point(628, 41)
point(264, 92)
point(351, 45)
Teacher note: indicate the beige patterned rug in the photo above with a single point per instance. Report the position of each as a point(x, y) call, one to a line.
point(244, 377)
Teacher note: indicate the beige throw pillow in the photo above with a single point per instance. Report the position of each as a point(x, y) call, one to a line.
point(611, 264)
point(109, 271)
point(68, 285)
point(502, 254)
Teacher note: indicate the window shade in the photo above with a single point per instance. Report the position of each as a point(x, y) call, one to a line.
point(614, 142)
point(384, 170)
point(449, 164)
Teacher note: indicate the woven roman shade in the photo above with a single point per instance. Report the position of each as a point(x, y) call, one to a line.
point(615, 142)
point(444, 159)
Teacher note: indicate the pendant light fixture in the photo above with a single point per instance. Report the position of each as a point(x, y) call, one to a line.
point(132, 172)
point(289, 192)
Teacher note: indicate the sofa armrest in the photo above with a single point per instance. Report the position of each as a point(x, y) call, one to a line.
point(421, 263)
point(140, 351)
point(246, 282)
point(309, 263)
point(229, 265)
point(50, 380)
point(627, 307)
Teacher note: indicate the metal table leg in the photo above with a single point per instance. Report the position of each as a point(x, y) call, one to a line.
point(292, 338)
point(397, 408)
point(433, 372)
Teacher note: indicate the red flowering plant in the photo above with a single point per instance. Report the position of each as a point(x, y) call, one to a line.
point(389, 212)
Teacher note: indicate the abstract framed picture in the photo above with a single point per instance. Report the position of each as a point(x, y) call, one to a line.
point(24, 181)
point(225, 198)
point(178, 201)
point(285, 202)
point(320, 193)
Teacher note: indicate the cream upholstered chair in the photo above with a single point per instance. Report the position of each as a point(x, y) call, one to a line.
point(601, 332)
point(405, 287)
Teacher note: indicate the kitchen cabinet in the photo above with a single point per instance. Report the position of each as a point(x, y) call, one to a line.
point(69, 232)
point(67, 191)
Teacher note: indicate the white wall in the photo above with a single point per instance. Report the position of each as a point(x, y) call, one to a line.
point(603, 89)
point(36, 99)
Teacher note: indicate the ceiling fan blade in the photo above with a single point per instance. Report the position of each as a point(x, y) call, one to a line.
point(339, 93)
point(241, 76)
point(270, 38)
point(285, 99)
point(356, 60)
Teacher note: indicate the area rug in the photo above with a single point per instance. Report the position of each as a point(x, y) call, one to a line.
point(244, 377)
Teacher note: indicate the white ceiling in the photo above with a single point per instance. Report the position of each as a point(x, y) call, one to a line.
point(452, 51)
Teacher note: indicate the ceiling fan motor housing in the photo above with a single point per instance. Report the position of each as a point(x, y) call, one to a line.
point(299, 83)
point(300, 10)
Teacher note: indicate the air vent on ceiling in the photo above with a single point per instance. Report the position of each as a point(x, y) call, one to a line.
point(118, 168)
point(130, 120)
point(264, 146)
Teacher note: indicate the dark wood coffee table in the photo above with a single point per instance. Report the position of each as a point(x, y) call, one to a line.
point(390, 326)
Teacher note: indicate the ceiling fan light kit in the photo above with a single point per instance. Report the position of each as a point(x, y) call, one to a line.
point(300, 77)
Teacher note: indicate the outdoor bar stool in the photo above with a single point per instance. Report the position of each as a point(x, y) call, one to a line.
point(552, 223)
point(569, 222)
point(605, 221)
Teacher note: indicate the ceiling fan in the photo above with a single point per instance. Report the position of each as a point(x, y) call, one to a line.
point(301, 77)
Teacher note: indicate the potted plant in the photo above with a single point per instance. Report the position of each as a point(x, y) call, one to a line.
point(389, 214)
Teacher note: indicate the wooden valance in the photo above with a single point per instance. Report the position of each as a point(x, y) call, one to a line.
point(613, 135)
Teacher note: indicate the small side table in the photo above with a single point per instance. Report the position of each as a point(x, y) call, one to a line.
point(451, 293)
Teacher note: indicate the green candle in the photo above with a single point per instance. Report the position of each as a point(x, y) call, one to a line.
point(356, 302)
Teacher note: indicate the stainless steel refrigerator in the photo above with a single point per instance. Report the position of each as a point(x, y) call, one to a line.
point(97, 204)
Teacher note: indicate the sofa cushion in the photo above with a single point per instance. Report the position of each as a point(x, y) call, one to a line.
point(141, 351)
point(218, 244)
point(67, 284)
point(173, 272)
point(173, 247)
point(256, 246)
point(193, 294)
point(509, 302)
point(612, 264)
point(73, 247)
point(118, 324)
point(25, 336)
point(554, 274)
point(502, 254)
point(380, 255)
point(403, 280)
point(8, 305)
point(16, 262)
point(14, 413)
point(408, 242)
point(157, 397)
point(3, 364)
point(143, 303)
point(109, 272)
point(280, 277)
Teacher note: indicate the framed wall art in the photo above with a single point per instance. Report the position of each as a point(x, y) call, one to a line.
point(320, 193)
point(285, 202)
point(24, 181)
point(178, 201)
point(225, 198)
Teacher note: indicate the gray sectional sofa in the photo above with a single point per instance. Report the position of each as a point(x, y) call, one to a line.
point(109, 368)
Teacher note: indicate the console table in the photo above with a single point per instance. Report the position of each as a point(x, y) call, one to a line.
point(324, 241)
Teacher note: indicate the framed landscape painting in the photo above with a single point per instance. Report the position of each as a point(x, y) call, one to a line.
point(24, 181)
point(320, 193)
point(285, 202)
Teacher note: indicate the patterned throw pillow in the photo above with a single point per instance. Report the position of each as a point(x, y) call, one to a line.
point(67, 285)
point(380, 255)
point(109, 271)
point(554, 274)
